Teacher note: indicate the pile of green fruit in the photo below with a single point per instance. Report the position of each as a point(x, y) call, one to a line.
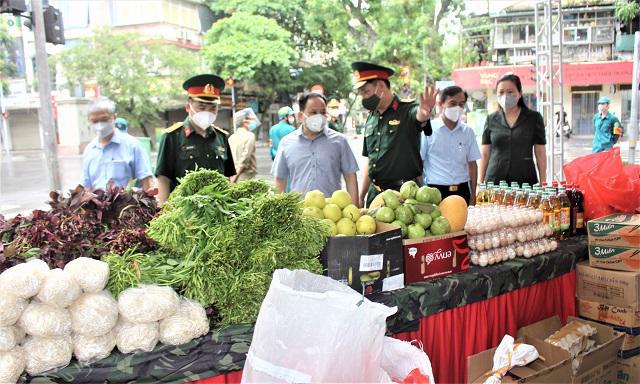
point(415, 210)
point(338, 212)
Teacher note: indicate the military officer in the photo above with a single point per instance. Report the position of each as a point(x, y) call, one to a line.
point(392, 131)
point(195, 142)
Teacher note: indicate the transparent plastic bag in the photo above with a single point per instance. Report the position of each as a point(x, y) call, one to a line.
point(136, 337)
point(11, 308)
point(147, 303)
point(314, 329)
point(58, 289)
point(400, 359)
point(91, 275)
point(10, 337)
point(89, 349)
point(12, 364)
point(24, 280)
point(47, 353)
point(44, 320)
point(94, 314)
point(188, 323)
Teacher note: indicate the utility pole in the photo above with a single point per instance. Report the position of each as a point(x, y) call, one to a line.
point(45, 116)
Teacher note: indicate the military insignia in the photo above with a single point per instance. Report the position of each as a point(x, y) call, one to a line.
point(222, 149)
point(209, 90)
point(394, 122)
point(407, 100)
point(174, 127)
point(220, 129)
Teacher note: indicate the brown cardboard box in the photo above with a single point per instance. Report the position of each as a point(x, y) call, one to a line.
point(556, 367)
point(623, 319)
point(617, 288)
point(596, 366)
point(618, 258)
point(628, 371)
point(617, 230)
point(435, 256)
point(630, 346)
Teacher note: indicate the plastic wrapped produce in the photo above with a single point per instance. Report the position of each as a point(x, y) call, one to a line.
point(147, 303)
point(136, 337)
point(45, 353)
point(58, 289)
point(24, 280)
point(9, 337)
point(44, 320)
point(11, 308)
point(92, 275)
point(89, 349)
point(94, 314)
point(12, 364)
point(188, 323)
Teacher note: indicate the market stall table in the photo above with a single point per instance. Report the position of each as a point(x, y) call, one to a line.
point(453, 317)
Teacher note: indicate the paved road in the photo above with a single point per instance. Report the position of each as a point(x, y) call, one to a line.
point(24, 185)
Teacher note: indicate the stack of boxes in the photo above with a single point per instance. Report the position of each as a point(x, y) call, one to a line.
point(608, 286)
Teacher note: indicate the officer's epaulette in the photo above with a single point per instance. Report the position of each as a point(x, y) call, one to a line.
point(174, 127)
point(220, 129)
point(407, 101)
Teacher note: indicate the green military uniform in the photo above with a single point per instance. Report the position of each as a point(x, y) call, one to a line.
point(335, 126)
point(182, 149)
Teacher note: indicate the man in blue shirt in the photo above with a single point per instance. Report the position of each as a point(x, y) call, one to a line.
point(285, 126)
point(450, 153)
point(607, 127)
point(112, 155)
point(315, 157)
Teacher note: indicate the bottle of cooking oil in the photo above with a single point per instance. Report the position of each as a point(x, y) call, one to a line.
point(533, 201)
point(497, 195)
point(547, 211)
point(557, 208)
point(514, 185)
point(565, 213)
point(509, 196)
point(481, 196)
point(489, 192)
point(521, 198)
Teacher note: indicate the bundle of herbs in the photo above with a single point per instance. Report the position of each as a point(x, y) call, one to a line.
point(220, 245)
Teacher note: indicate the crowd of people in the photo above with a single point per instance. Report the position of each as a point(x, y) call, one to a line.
point(402, 141)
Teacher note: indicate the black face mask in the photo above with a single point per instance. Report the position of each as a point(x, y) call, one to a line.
point(371, 102)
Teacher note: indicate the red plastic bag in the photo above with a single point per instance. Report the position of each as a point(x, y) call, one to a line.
point(607, 186)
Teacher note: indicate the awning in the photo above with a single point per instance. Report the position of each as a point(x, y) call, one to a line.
point(609, 72)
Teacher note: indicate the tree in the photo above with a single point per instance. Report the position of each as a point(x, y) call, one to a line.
point(626, 11)
point(7, 67)
point(141, 75)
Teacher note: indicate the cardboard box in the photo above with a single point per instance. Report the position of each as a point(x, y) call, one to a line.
point(622, 319)
point(630, 346)
point(628, 371)
point(435, 256)
point(372, 263)
point(617, 230)
point(618, 258)
point(556, 367)
point(617, 288)
point(596, 366)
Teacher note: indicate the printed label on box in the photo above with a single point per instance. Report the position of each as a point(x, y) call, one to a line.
point(370, 263)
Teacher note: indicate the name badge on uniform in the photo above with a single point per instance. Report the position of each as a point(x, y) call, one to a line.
point(453, 188)
point(394, 122)
point(188, 147)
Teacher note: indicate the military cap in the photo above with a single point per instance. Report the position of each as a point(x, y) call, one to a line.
point(366, 71)
point(121, 124)
point(333, 103)
point(204, 88)
point(604, 99)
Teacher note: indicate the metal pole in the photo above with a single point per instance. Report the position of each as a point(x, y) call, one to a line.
point(233, 106)
point(635, 94)
point(45, 116)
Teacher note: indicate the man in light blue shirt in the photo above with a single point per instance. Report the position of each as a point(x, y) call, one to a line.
point(315, 157)
point(112, 155)
point(450, 153)
point(282, 129)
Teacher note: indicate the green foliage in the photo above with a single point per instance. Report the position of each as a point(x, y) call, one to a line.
point(7, 68)
point(335, 75)
point(141, 75)
point(626, 11)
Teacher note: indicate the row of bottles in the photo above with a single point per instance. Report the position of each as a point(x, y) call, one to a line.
point(561, 204)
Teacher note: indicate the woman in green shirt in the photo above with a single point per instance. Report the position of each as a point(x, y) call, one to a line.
point(511, 137)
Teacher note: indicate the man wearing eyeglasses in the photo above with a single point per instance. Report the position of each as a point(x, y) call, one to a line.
point(451, 152)
point(194, 143)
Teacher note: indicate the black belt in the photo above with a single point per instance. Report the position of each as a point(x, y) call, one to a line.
point(395, 185)
point(451, 188)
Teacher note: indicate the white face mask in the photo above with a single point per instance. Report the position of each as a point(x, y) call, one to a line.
point(102, 128)
point(507, 101)
point(203, 119)
point(315, 123)
point(601, 108)
point(453, 113)
point(291, 120)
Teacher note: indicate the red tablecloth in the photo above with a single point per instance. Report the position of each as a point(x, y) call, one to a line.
point(451, 336)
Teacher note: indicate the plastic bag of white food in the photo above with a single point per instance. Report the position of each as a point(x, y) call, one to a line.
point(46, 353)
point(12, 364)
point(10, 337)
point(44, 320)
point(147, 303)
point(94, 314)
point(188, 323)
point(58, 289)
point(136, 337)
point(399, 358)
point(91, 275)
point(11, 308)
point(314, 329)
point(89, 349)
point(24, 280)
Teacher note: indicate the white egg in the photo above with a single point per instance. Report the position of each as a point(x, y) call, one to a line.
point(528, 233)
point(554, 245)
point(511, 238)
point(480, 245)
point(521, 236)
point(495, 241)
point(487, 243)
point(527, 253)
point(519, 250)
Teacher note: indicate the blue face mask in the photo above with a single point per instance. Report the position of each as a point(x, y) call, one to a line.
point(253, 125)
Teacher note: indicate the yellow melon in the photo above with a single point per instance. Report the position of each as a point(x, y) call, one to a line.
point(454, 209)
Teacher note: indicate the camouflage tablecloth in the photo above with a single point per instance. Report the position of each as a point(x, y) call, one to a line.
point(224, 349)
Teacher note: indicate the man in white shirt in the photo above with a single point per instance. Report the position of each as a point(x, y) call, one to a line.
point(450, 153)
